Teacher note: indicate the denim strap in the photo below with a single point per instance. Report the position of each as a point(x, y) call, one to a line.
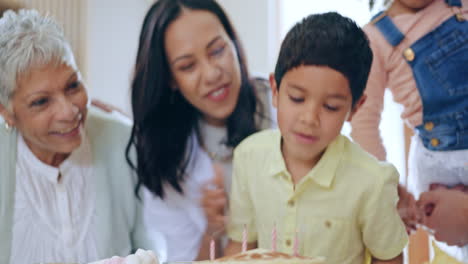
point(454, 3)
point(386, 26)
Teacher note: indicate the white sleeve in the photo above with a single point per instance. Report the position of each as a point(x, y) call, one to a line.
point(174, 227)
point(179, 220)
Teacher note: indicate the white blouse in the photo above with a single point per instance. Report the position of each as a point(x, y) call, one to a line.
point(53, 218)
point(180, 218)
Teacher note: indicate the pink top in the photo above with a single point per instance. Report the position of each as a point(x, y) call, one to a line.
point(390, 70)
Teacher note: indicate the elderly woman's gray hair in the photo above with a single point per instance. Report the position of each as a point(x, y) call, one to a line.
point(29, 40)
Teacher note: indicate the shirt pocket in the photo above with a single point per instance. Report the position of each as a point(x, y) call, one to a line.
point(329, 237)
point(448, 64)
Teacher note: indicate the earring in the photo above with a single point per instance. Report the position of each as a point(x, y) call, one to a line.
point(8, 128)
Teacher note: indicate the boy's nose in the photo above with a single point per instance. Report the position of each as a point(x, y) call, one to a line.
point(311, 117)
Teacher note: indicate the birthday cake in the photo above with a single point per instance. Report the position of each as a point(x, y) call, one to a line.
point(260, 256)
point(140, 257)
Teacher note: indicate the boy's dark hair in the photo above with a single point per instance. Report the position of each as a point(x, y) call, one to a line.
point(331, 40)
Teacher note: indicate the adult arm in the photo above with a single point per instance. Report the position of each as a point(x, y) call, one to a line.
point(446, 214)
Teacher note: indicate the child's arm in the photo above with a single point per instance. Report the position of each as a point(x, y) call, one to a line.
point(397, 260)
point(234, 247)
point(365, 123)
point(384, 233)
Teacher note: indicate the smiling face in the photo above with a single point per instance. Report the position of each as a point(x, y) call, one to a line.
point(49, 109)
point(204, 64)
point(313, 102)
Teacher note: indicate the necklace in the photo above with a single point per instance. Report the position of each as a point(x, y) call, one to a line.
point(222, 154)
point(212, 140)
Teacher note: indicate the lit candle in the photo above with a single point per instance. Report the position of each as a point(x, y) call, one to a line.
point(274, 238)
point(212, 249)
point(296, 244)
point(244, 239)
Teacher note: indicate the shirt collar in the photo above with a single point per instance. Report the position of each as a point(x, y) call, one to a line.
point(79, 157)
point(277, 165)
point(324, 171)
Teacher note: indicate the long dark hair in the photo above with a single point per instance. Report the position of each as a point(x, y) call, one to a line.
point(163, 119)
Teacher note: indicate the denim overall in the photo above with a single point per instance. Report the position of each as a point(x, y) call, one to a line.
point(439, 61)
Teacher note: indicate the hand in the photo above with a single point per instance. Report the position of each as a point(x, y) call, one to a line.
point(446, 213)
point(408, 210)
point(107, 107)
point(214, 203)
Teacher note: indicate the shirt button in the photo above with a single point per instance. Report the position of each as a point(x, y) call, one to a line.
point(435, 142)
point(290, 203)
point(288, 242)
point(429, 126)
point(408, 54)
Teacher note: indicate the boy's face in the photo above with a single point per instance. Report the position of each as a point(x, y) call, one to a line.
point(313, 102)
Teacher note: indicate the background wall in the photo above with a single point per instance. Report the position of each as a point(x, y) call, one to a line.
point(112, 30)
point(256, 22)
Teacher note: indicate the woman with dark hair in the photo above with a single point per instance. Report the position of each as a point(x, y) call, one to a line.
point(193, 102)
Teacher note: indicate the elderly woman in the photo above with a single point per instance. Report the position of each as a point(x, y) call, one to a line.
point(66, 191)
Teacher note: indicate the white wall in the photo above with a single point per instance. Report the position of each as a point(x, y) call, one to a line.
point(256, 23)
point(113, 28)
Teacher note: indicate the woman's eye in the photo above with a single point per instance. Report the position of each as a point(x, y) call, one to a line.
point(187, 67)
point(39, 102)
point(218, 51)
point(73, 85)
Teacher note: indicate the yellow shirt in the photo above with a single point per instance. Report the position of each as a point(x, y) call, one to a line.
point(343, 206)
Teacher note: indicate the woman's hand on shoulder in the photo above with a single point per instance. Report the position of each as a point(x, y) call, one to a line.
point(214, 202)
point(107, 107)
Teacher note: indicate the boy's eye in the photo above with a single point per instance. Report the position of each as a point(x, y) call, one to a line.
point(39, 102)
point(331, 108)
point(296, 99)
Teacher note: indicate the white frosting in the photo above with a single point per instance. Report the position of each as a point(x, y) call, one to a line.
point(140, 257)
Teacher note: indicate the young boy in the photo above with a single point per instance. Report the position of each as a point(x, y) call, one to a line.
point(323, 194)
